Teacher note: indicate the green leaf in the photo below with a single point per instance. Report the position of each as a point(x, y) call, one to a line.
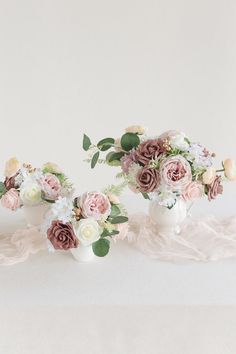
point(146, 196)
point(115, 211)
point(107, 233)
point(94, 159)
point(2, 189)
point(86, 142)
point(129, 141)
point(101, 247)
point(113, 158)
point(119, 220)
point(105, 144)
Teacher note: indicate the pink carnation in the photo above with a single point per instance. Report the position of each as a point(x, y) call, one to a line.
point(11, 199)
point(194, 190)
point(51, 186)
point(94, 205)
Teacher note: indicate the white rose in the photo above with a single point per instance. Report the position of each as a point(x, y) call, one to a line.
point(178, 141)
point(30, 194)
point(88, 231)
point(209, 175)
point(136, 129)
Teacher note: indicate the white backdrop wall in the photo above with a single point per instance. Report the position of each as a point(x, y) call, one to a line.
point(73, 66)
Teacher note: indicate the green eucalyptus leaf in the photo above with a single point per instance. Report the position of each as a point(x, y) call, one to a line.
point(105, 144)
point(86, 142)
point(113, 158)
point(115, 211)
point(145, 196)
point(94, 159)
point(129, 141)
point(118, 220)
point(107, 233)
point(2, 189)
point(101, 247)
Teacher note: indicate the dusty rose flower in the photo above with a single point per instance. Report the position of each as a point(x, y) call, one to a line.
point(10, 182)
point(11, 199)
point(62, 236)
point(215, 188)
point(95, 205)
point(194, 190)
point(148, 179)
point(175, 172)
point(127, 161)
point(51, 186)
point(148, 150)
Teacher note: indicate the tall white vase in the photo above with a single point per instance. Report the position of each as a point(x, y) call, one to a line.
point(83, 253)
point(34, 215)
point(168, 221)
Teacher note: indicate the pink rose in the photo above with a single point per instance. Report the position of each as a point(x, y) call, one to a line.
point(127, 161)
point(175, 172)
point(194, 190)
point(215, 188)
point(148, 150)
point(11, 199)
point(51, 186)
point(94, 205)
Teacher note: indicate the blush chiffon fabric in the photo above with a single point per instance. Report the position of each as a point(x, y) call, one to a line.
point(203, 239)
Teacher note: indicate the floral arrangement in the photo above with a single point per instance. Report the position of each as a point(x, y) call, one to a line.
point(166, 167)
point(25, 185)
point(88, 220)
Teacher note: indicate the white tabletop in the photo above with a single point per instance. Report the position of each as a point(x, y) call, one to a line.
point(124, 277)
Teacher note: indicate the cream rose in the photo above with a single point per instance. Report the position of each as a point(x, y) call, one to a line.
point(113, 198)
point(11, 167)
point(136, 129)
point(30, 194)
point(52, 168)
point(88, 231)
point(230, 169)
point(209, 175)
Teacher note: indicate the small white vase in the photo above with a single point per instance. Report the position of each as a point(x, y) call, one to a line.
point(34, 215)
point(167, 220)
point(83, 253)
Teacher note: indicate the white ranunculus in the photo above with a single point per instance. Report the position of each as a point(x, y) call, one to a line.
point(30, 194)
point(88, 231)
point(178, 141)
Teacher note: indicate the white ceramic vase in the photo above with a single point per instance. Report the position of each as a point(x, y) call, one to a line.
point(34, 214)
point(167, 220)
point(83, 253)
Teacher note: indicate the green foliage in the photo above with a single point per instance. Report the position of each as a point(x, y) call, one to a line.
point(101, 247)
point(107, 233)
point(105, 144)
point(113, 158)
point(129, 141)
point(115, 210)
point(94, 159)
point(2, 189)
point(116, 189)
point(145, 196)
point(118, 220)
point(86, 142)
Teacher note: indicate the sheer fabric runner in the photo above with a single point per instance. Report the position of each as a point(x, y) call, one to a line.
point(203, 239)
